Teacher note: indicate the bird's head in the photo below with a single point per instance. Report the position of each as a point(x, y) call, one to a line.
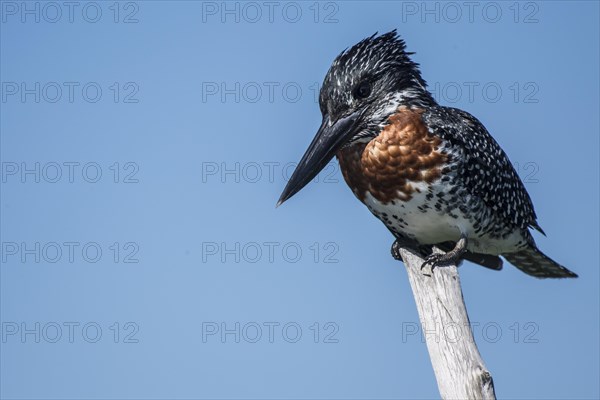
point(364, 86)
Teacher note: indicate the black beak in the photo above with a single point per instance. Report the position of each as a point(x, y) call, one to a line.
point(329, 139)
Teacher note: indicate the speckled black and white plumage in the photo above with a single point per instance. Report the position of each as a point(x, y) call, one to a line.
point(484, 187)
point(433, 175)
point(479, 187)
point(384, 62)
point(482, 171)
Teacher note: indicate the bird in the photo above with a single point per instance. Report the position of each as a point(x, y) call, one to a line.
point(432, 174)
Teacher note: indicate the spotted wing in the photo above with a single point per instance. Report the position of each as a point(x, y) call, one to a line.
point(485, 170)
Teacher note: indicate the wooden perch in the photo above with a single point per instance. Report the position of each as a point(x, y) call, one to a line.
point(459, 369)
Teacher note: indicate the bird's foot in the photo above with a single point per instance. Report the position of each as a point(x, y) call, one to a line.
point(398, 245)
point(446, 259)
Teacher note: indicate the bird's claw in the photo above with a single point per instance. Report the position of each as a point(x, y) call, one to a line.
point(449, 258)
point(441, 259)
point(396, 246)
point(435, 260)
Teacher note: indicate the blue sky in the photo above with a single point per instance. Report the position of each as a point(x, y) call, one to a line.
point(144, 146)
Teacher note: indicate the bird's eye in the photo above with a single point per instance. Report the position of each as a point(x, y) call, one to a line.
point(362, 91)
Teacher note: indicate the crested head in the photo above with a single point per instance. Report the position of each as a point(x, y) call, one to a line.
point(375, 77)
point(364, 87)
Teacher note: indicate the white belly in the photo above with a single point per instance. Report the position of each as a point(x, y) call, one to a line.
point(418, 219)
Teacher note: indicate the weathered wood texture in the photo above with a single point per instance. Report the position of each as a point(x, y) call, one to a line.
point(458, 366)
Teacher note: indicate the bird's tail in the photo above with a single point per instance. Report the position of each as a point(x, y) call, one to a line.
point(535, 263)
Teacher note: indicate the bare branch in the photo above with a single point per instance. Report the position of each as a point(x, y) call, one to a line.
point(459, 369)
